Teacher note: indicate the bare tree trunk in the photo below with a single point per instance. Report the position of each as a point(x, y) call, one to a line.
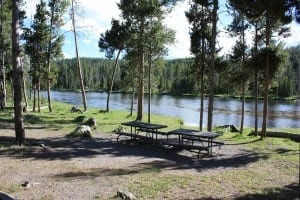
point(256, 83)
point(24, 87)
point(266, 83)
point(112, 80)
point(48, 62)
point(17, 73)
point(2, 67)
point(77, 58)
point(256, 101)
point(149, 85)
point(39, 94)
point(141, 88)
point(132, 101)
point(243, 81)
point(212, 67)
point(34, 95)
point(141, 71)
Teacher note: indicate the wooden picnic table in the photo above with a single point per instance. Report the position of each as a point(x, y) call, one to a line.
point(204, 140)
point(137, 128)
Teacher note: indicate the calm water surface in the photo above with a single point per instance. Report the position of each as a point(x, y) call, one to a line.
point(283, 114)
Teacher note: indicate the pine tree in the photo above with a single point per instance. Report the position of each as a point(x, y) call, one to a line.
point(5, 47)
point(113, 40)
point(55, 41)
point(198, 16)
point(37, 38)
point(140, 16)
point(238, 28)
point(275, 17)
point(74, 7)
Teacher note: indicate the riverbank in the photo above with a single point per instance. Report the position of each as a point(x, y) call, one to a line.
point(76, 168)
point(291, 98)
point(282, 114)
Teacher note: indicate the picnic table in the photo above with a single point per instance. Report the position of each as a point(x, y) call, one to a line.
point(193, 139)
point(142, 130)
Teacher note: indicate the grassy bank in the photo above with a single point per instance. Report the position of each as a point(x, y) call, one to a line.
point(62, 118)
point(245, 168)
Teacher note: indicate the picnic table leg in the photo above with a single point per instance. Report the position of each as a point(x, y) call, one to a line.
point(210, 146)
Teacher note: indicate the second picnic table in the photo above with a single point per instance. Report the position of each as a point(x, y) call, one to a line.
point(192, 136)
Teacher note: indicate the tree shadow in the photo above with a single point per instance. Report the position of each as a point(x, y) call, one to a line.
point(291, 192)
point(158, 157)
point(103, 172)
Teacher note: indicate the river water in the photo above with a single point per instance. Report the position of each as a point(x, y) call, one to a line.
point(282, 114)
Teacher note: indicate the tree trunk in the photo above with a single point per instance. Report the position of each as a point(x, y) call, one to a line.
point(2, 67)
point(34, 95)
point(256, 84)
point(141, 88)
point(256, 101)
point(149, 85)
point(48, 62)
point(77, 58)
point(212, 66)
point(141, 70)
point(112, 80)
point(243, 81)
point(266, 82)
point(24, 87)
point(17, 74)
point(132, 101)
point(39, 94)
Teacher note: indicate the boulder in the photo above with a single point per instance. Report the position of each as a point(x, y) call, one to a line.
point(75, 109)
point(81, 131)
point(123, 194)
point(91, 122)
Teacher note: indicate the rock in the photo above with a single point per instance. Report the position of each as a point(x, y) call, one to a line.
point(91, 122)
point(5, 196)
point(82, 131)
point(75, 109)
point(125, 195)
point(26, 184)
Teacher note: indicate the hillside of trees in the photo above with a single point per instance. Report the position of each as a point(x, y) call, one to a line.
point(174, 76)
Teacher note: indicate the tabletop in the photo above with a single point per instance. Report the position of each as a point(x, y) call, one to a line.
point(145, 125)
point(190, 132)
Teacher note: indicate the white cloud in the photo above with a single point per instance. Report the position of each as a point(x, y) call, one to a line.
point(294, 39)
point(99, 13)
point(177, 21)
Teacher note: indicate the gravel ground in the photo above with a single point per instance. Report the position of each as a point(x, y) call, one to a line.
point(56, 167)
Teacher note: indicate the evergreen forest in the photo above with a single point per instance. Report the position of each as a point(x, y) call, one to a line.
point(175, 77)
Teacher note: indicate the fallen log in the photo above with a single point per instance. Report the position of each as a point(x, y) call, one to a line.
point(292, 136)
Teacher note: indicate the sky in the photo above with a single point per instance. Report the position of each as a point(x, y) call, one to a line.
point(97, 16)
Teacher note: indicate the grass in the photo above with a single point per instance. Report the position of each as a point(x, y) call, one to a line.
point(156, 184)
point(275, 166)
point(62, 118)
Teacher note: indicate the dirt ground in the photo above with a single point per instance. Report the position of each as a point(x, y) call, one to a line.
point(56, 167)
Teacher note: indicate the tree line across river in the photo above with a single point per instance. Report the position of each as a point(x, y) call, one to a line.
point(175, 76)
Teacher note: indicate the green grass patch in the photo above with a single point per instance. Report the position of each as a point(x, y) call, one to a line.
point(62, 118)
point(152, 185)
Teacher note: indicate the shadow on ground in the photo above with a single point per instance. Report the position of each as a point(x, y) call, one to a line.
point(291, 192)
point(157, 157)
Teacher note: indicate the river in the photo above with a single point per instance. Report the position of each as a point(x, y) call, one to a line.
point(282, 114)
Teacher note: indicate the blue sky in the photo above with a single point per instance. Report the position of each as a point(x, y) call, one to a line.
point(97, 16)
